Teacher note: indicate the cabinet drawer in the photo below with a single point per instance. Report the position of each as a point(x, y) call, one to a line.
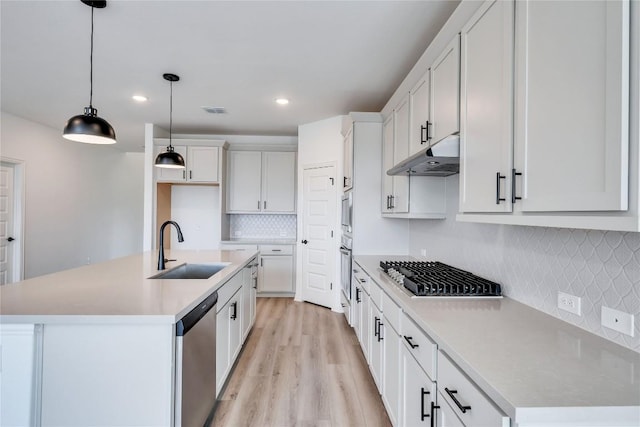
point(238, 247)
point(361, 277)
point(454, 385)
point(276, 249)
point(376, 294)
point(226, 291)
point(420, 346)
point(392, 312)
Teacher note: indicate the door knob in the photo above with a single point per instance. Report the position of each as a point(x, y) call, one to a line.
point(10, 239)
point(305, 241)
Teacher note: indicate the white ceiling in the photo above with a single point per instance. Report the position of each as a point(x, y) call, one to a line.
point(327, 57)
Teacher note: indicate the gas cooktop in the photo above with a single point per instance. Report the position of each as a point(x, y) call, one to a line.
point(435, 279)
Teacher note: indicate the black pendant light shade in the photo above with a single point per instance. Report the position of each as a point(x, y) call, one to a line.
point(170, 159)
point(88, 127)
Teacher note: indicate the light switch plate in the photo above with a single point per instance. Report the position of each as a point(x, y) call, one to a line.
point(617, 320)
point(569, 303)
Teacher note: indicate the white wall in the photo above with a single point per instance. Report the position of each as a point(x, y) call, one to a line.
point(83, 202)
point(534, 263)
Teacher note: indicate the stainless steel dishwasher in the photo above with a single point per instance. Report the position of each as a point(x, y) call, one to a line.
point(196, 364)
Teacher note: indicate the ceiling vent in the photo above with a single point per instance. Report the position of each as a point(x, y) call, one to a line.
point(215, 110)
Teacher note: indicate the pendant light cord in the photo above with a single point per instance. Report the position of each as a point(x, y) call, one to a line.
point(91, 64)
point(170, 111)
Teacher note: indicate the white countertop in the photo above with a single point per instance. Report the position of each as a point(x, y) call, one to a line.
point(116, 291)
point(525, 360)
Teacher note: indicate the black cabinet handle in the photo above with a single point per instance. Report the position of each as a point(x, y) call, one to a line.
point(358, 300)
point(344, 181)
point(10, 239)
point(305, 242)
point(428, 136)
point(422, 395)
point(184, 174)
point(380, 337)
point(190, 174)
point(408, 340)
point(234, 315)
point(433, 412)
point(392, 198)
point(498, 178)
point(451, 394)
point(513, 185)
point(258, 204)
point(264, 205)
point(376, 331)
point(423, 135)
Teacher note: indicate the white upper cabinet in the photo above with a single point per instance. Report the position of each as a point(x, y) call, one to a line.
point(395, 149)
point(347, 181)
point(419, 111)
point(278, 182)
point(245, 177)
point(261, 182)
point(572, 105)
point(202, 165)
point(445, 92)
point(486, 106)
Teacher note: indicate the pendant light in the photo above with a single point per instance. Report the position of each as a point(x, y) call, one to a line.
point(170, 159)
point(88, 127)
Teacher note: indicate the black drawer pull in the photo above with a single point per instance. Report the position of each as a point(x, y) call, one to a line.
point(408, 340)
point(234, 316)
point(458, 404)
point(375, 328)
point(422, 414)
point(380, 325)
point(358, 300)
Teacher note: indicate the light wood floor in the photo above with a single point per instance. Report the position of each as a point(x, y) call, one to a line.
point(301, 366)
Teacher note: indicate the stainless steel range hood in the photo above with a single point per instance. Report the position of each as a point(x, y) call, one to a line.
point(441, 159)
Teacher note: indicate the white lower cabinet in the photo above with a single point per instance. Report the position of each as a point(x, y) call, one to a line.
point(391, 369)
point(376, 356)
point(464, 398)
point(231, 324)
point(276, 268)
point(418, 392)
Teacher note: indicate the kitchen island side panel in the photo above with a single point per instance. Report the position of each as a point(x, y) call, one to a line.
point(107, 374)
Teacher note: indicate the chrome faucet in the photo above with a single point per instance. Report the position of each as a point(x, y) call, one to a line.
point(161, 258)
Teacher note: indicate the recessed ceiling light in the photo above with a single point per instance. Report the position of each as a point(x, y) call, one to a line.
point(282, 101)
point(139, 98)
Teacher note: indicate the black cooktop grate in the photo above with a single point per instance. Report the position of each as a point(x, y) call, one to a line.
point(432, 278)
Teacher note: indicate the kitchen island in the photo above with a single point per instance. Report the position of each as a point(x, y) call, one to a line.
point(95, 345)
point(535, 369)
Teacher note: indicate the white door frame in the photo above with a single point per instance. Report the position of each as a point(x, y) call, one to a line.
point(18, 167)
point(336, 235)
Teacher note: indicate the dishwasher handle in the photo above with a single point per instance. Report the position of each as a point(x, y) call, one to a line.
point(190, 319)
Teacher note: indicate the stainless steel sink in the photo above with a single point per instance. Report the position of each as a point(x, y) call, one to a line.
point(192, 271)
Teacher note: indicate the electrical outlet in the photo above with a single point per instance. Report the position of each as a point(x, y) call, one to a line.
point(569, 303)
point(423, 252)
point(617, 320)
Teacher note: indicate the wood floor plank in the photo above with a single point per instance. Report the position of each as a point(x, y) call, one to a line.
point(301, 366)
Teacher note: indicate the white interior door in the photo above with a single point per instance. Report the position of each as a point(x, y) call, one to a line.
point(6, 224)
point(318, 219)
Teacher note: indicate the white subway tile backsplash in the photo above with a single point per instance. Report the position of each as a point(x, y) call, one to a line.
point(534, 263)
point(262, 226)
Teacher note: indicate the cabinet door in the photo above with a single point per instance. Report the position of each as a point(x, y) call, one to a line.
point(418, 392)
point(387, 163)
point(376, 350)
point(400, 195)
point(365, 326)
point(235, 326)
point(278, 182)
point(203, 164)
point(356, 306)
point(486, 106)
point(245, 313)
point(445, 92)
point(391, 371)
point(419, 121)
point(222, 347)
point(572, 105)
point(171, 175)
point(276, 273)
point(347, 181)
point(245, 172)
